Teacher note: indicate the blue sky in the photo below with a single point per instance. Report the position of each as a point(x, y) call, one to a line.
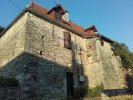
point(113, 18)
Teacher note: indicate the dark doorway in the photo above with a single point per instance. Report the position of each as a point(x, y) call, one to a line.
point(70, 84)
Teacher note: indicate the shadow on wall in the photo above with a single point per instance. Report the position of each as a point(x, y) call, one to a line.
point(82, 80)
point(129, 83)
point(39, 77)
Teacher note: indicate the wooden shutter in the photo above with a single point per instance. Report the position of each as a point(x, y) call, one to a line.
point(67, 40)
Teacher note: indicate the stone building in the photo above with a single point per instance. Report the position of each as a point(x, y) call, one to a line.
point(51, 56)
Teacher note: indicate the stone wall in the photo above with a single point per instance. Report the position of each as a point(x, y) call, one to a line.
point(102, 67)
point(93, 66)
point(49, 39)
point(12, 42)
point(37, 57)
point(121, 72)
point(46, 40)
point(112, 68)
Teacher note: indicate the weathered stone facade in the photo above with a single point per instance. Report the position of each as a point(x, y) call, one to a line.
point(32, 51)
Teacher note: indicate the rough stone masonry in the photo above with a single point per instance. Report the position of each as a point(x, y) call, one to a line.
point(32, 51)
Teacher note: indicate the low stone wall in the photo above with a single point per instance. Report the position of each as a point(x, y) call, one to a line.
point(114, 92)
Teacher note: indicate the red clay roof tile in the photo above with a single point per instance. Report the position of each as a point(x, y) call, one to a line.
point(50, 13)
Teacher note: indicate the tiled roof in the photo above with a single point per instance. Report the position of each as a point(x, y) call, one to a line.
point(74, 26)
point(59, 5)
point(50, 15)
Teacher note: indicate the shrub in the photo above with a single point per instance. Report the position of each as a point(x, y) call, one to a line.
point(94, 92)
point(85, 91)
point(126, 55)
point(80, 92)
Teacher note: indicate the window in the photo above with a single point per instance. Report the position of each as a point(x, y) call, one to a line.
point(102, 43)
point(58, 16)
point(34, 77)
point(67, 40)
point(42, 37)
point(41, 52)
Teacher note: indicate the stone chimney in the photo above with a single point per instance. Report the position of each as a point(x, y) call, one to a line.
point(66, 16)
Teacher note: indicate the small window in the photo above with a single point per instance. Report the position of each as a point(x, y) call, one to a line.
point(42, 37)
point(102, 43)
point(67, 40)
point(41, 52)
point(34, 77)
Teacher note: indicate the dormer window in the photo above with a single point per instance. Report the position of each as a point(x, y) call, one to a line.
point(58, 16)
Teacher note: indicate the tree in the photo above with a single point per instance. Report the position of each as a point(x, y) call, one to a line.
point(120, 49)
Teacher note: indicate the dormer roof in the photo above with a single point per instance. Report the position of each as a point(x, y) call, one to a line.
point(91, 28)
point(58, 8)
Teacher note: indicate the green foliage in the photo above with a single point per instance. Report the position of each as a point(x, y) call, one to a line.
point(80, 92)
point(4, 81)
point(122, 50)
point(86, 92)
point(95, 92)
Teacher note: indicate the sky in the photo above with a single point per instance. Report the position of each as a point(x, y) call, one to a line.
point(112, 18)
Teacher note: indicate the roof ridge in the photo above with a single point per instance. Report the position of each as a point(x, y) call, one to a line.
point(32, 4)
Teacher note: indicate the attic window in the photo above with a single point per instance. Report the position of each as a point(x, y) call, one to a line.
point(67, 40)
point(58, 16)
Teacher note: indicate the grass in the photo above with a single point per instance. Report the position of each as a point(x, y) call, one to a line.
point(122, 97)
point(88, 92)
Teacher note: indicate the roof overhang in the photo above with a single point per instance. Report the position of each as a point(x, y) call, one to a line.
point(100, 36)
point(106, 39)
